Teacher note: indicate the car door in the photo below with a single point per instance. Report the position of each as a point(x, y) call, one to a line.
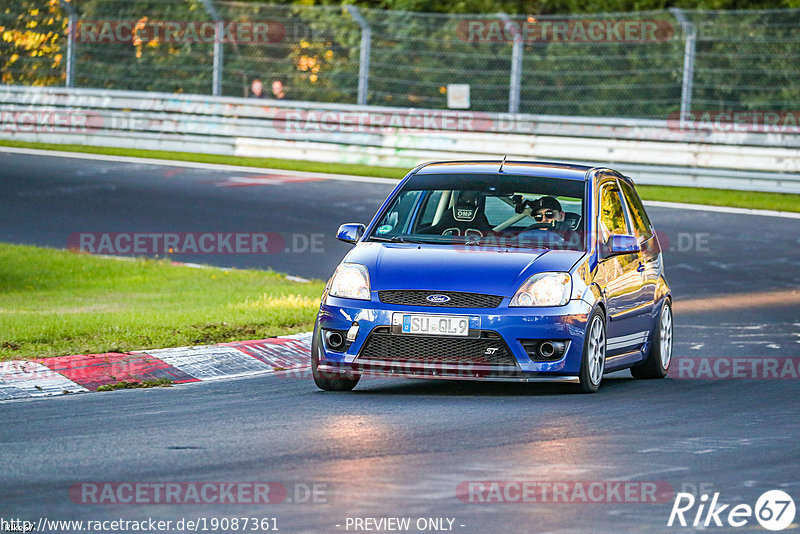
point(620, 277)
point(650, 255)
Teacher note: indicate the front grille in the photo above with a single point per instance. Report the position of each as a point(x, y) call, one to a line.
point(458, 299)
point(384, 346)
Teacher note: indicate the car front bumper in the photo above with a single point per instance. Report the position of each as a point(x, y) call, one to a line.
point(501, 327)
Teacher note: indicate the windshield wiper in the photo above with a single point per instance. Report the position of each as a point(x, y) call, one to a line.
point(394, 239)
point(401, 239)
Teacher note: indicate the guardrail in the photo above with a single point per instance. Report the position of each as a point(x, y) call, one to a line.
point(651, 151)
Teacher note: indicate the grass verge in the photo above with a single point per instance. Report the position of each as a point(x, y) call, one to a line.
point(159, 383)
point(722, 197)
point(55, 303)
point(692, 195)
point(269, 163)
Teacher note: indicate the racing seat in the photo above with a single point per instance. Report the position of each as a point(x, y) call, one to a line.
point(571, 221)
point(465, 218)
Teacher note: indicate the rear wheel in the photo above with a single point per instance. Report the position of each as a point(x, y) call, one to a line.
point(328, 380)
point(593, 362)
point(656, 365)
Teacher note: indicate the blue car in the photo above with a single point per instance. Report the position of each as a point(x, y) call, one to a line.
point(498, 270)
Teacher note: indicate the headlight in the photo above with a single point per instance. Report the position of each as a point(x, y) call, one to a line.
point(544, 289)
point(350, 281)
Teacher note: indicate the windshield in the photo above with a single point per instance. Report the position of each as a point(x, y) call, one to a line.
point(505, 211)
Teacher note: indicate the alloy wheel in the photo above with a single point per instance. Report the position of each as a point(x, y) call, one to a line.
point(597, 351)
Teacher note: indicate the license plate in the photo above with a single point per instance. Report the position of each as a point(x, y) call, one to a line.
point(440, 325)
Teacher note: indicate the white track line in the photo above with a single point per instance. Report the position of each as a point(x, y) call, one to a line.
point(722, 209)
point(344, 177)
point(195, 165)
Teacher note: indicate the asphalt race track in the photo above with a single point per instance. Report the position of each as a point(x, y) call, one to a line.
point(403, 448)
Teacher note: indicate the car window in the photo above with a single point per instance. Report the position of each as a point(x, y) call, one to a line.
point(491, 210)
point(397, 218)
point(497, 211)
point(641, 223)
point(612, 215)
point(431, 204)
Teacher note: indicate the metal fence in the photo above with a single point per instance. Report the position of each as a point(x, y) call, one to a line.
point(588, 65)
point(651, 151)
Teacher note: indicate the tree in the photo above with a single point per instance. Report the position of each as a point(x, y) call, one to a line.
point(33, 42)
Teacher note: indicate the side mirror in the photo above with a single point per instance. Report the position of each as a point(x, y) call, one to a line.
point(350, 232)
point(619, 244)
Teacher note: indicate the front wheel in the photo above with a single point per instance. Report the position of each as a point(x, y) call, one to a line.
point(328, 380)
point(593, 361)
point(656, 365)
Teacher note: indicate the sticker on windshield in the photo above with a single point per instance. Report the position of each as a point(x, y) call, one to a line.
point(385, 229)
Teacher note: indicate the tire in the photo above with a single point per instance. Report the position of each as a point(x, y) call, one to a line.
point(328, 380)
point(593, 360)
point(659, 356)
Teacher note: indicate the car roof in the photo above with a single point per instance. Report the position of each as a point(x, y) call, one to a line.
point(521, 168)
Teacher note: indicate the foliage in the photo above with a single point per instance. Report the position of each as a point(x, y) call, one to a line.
point(152, 65)
point(32, 37)
point(744, 60)
point(557, 7)
point(137, 384)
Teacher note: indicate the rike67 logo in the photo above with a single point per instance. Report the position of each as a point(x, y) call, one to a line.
point(774, 510)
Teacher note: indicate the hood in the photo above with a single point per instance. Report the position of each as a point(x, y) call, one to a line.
point(447, 268)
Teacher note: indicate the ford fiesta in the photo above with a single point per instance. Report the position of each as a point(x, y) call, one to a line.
point(516, 271)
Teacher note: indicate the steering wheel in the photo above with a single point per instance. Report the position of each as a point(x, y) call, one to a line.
point(551, 236)
point(535, 226)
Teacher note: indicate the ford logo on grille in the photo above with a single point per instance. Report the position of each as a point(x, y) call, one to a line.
point(437, 299)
